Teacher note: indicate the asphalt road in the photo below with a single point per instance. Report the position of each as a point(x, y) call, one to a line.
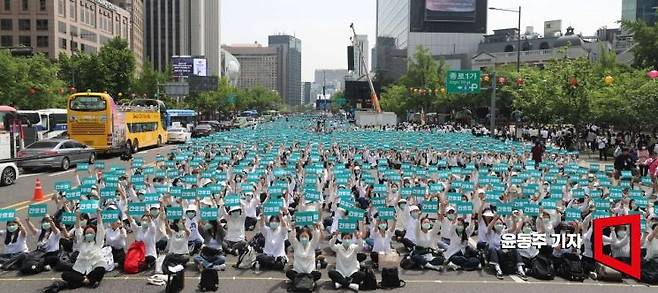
point(19, 196)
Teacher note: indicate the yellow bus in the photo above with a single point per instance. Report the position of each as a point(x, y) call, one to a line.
point(96, 120)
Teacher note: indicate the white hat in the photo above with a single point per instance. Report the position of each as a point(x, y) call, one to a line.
point(191, 207)
point(207, 201)
point(488, 213)
point(154, 206)
point(402, 200)
point(450, 208)
point(235, 208)
point(413, 208)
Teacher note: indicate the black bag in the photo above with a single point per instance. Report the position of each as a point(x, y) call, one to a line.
point(66, 261)
point(172, 260)
point(541, 267)
point(390, 279)
point(649, 273)
point(302, 283)
point(406, 263)
point(258, 242)
point(13, 263)
point(209, 281)
point(570, 268)
point(507, 262)
point(175, 282)
point(33, 263)
point(369, 280)
point(604, 273)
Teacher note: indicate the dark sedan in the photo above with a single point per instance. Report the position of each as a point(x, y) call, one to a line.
point(55, 153)
point(202, 130)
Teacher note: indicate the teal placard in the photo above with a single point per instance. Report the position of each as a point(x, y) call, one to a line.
point(37, 210)
point(271, 209)
point(151, 198)
point(355, 212)
point(136, 209)
point(110, 216)
point(73, 194)
point(82, 167)
point(174, 213)
point(378, 202)
point(504, 209)
point(347, 225)
point(380, 188)
point(188, 193)
point(68, 218)
point(531, 209)
point(465, 208)
point(203, 192)
point(62, 185)
point(176, 191)
point(306, 218)
point(108, 192)
point(208, 214)
point(99, 165)
point(88, 206)
point(232, 200)
point(312, 196)
point(89, 181)
point(578, 193)
point(549, 204)
point(572, 214)
point(386, 213)
point(430, 206)
point(601, 204)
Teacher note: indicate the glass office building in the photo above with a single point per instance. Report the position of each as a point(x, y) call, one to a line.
point(644, 10)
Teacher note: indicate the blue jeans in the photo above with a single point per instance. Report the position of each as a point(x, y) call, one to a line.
point(210, 262)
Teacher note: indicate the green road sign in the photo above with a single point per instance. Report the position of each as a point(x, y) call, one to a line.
point(463, 81)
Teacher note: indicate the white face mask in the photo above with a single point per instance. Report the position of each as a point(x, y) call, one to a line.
point(621, 234)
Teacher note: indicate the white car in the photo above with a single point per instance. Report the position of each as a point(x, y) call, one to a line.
point(178, 134)
point(8, 173)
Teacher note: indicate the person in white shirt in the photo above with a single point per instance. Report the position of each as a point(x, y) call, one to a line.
point(411, 223)
point(145, 232)
point(303, 246)
point(381, 233)
point(250, 204)
point(347, 274)
point(212, 254)
point(178, 238)
point(235, 241)
point(115, 237)
point(15, 245)
point(89, 267)
point(47, 241)
point(195, 239)
point(424, 254)
point(494, 251)
point(459, 253)
point(274, 254)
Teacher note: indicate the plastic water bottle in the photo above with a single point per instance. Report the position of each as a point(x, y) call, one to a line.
point(318, 265)
point(257, 268)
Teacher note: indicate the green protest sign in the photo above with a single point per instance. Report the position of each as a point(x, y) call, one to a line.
point(430, 206)
point(572, 214)
point(347, 225)
point(82, 167)
point(37, 210)
point(531, 209)
point(272, 208)
point(62, 185)
point(108, 192)
point(68, 218)
point(73, 194)
point(465, 208)
point(378, 202)
point(386, 213)
point(110, 216)
point(188, 193)
point(504, 209)
point(306, 218)
point(151, 198)
point(232, 200)
point(174, 213)
point(88, 206)
point(136, 209)
point(208, 214)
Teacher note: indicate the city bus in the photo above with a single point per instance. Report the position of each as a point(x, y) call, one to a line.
point(11, 142)
point(183, 118)
point(48, 123)
point(96, 120)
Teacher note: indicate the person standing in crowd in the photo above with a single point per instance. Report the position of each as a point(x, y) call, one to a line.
point(537, 154)
point(602, 145)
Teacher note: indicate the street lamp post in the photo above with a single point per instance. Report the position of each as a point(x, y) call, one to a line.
point(518, 41)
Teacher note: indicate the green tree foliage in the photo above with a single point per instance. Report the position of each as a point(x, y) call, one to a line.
point(646, 42)
point(147, 81)
point(29, 82)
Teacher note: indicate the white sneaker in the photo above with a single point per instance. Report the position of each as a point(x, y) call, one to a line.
point(221, 267)
point(593, 275)
point(354, 287)
point(433, 267)
point(452, 266)
point(337, 285)
point(47, 268)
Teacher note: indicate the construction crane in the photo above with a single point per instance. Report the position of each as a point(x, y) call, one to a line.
point(373, 95)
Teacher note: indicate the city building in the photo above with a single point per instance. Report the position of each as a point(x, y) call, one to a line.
point(333, 80)
point(136, 9)
point(306, 92)
point(53, 27)
point(501, 48)
point(183, 28)
point(644, 10)
point(404, 25)
point(290, 67)
point(230, 67)
point(259, 66)
point(360, 65)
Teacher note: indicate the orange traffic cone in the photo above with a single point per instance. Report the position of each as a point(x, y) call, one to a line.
point(38, 191)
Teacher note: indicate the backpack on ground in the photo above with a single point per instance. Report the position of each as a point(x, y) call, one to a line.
point(246, 258)
point(541, 267)
point(507, 262)
point(33, 263)
point(303, 283)
point(406, 263)
point(605, 273)
point(649, 273)
point(209, 281)
point(135, 258)
point(369, 281)
point(571, 268)
point(175, 282)
point(172, 260)
point(391, 279)
point(257, 242)
point(66, 261)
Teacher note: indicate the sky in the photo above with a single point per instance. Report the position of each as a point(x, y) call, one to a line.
point(323, 26)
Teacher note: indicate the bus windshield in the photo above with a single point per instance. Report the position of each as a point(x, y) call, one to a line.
point(88, 103)
point(32, 117)
point(56, 121)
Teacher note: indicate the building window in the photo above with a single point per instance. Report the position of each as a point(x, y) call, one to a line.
point(6, 41)
point(42, 41)
point(544, 46)
point(42, 24)
point(74, 46)
point(25, 5)
point(61, 27)
point(6, 24)
point(25, 41)
point(42, 5)
point(73, 9)
point(24, 24)
point(7, 5)
point(63, 43)
point(61, 8)
point(509, 48)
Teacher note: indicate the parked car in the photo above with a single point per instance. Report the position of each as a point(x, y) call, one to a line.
point(9, 173)
point(56, 153)
point(216, 126)
point(178, 134)
point(202, 130)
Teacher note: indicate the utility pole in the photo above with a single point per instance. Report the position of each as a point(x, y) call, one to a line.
point(373, 94)
point(492, 118)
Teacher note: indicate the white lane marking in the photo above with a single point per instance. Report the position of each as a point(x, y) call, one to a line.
point(60, 173)
point(30, 175)
point(516, 279)
point(142, 152)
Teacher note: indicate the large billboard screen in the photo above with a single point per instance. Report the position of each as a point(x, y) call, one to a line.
point(448, 16)
point(182, 66)
point(450, 10)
